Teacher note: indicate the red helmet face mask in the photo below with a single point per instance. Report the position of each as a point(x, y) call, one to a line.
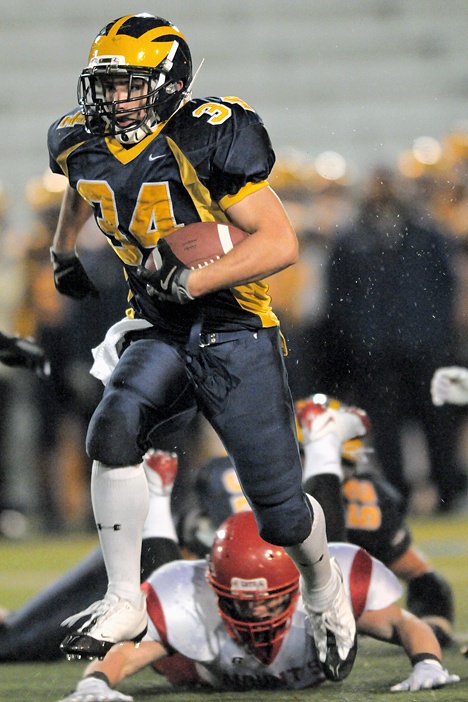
point(257, 585)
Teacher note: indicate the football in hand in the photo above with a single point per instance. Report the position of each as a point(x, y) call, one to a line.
point(199, 244)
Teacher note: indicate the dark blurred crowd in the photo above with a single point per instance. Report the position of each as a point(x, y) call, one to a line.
point(377, 302)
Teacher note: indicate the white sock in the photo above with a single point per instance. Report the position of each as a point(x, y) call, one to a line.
point(120, 503)
point(323, 455)
point(312, 558)
point(159, 522)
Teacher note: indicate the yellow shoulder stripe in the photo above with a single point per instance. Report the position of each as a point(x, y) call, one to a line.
point(208, 210)
point(62, 159)
point(248, 189)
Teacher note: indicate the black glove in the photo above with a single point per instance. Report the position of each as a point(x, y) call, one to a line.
point(169, 283)
point(70, 277)
point(24, 353)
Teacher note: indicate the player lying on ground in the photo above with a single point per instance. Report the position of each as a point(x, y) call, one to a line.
point(238, 621)
point(33, 632)
point(371, 513)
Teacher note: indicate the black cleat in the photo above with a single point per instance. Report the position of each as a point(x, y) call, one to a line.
point(79, 646)
point(109, 621)
point(334, 667)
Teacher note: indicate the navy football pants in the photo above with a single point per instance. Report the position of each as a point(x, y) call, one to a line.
point(245, 397)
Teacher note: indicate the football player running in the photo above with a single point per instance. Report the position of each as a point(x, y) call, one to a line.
point(146, 158)
point(238, 622)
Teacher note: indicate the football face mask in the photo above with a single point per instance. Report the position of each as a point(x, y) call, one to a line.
point(257, 585)
point(139, 73)
point(124, 103)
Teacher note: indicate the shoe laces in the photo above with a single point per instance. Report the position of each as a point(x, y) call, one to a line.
point(95, 610)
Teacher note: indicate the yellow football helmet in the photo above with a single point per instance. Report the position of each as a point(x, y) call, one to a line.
point(150, 58)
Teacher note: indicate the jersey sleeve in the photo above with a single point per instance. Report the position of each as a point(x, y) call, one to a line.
point(181, 609)
point(245, 160)
point(64, 136)
point(368, 582)
point(229, 147)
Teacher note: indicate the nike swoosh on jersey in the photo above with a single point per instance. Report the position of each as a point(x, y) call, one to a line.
point(165, 283)
point(152, 157)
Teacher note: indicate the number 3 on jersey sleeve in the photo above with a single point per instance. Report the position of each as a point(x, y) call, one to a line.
point(218, 112)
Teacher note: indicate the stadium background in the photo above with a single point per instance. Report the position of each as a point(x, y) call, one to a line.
point(362, 78)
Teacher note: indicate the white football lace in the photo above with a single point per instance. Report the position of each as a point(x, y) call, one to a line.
point(96, 610)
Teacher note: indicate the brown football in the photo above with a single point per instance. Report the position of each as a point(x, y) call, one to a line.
point(199, 244)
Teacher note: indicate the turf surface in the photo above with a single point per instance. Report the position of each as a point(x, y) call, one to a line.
point(28, 566)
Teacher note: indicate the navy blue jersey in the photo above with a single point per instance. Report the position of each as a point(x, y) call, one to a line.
point(375, 516)
point(211, 154)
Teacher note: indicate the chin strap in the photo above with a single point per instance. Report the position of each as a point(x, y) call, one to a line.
point(133, 136)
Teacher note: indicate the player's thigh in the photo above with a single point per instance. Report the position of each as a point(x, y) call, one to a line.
point(258, 418)
point(149, 387)
point(257, 427)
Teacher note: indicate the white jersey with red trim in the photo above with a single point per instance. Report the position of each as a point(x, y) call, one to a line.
point(183, 616)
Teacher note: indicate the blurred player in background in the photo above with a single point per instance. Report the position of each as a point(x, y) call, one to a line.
point(15, 352)
point(372, 514)
point(238, 622)
point(147, 159)
point(392, 280)
point(19, 352)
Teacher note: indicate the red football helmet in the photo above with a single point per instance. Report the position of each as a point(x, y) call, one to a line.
point(257, 585)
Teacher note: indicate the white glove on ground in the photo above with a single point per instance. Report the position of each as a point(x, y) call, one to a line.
point(450, 385)
point(426, 675)
point(95, 690)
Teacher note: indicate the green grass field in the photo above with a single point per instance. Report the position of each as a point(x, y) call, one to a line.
point(28, 566)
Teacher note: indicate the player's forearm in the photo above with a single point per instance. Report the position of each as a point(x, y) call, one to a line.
point(74, 213)
point(272, 246)
point(250, 260)
point(126, 659)
point(416, 636)
point(400, 627)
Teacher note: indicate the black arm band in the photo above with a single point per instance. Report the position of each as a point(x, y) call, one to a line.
point(418, 657)
point(99, 676)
